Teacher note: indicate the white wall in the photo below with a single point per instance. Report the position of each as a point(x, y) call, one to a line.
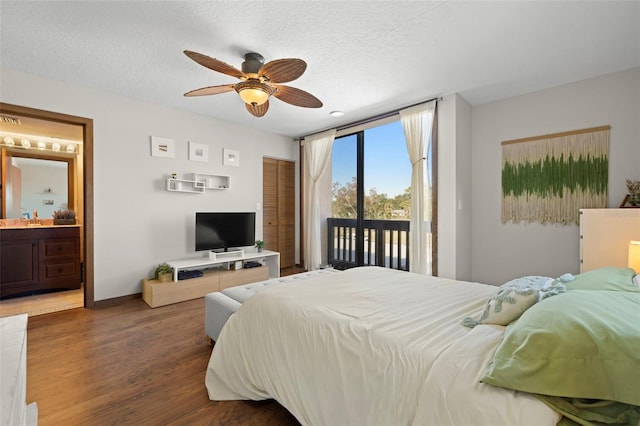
point(137, 223)
point(464, 189)
point(503, 251)
point(454, 188)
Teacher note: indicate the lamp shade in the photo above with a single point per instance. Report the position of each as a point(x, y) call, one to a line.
point(253, 92)
point(254, 96)
point(634, 256)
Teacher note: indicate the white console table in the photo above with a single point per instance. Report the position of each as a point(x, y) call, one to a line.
point(271, 260)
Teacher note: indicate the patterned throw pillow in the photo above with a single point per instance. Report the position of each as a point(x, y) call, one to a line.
point(515, 297)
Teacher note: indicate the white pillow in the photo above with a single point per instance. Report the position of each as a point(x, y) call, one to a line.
point(515, 297)
point(636, 280)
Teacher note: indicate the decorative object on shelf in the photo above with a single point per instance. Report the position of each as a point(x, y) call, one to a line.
point(633, 196)
point(230, 157)
point(64, 217)
point(260, 245)
point(198, 152)
point(549, 178)
point(164, 273)
point(162, 147)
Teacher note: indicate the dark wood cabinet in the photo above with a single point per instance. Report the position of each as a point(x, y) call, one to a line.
point(39, 260)
point(18, 259)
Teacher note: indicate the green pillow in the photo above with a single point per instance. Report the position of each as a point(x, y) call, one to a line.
point(579, 344)
point(607, 278)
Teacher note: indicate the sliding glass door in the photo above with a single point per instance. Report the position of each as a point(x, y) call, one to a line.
point(371, 180)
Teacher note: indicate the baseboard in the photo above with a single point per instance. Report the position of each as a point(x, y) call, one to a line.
point(116, 300)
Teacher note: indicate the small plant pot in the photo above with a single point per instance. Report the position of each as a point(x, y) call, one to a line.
point(165, 277)
point(64, 221)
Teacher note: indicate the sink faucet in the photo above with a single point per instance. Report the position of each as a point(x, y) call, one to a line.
point(35, 220)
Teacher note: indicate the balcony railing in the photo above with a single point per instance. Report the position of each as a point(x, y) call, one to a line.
point(386, 243)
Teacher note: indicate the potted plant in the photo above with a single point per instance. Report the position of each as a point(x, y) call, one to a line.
point(260, 245)
point(164, 273)
point(64, 217)
point(634, 192)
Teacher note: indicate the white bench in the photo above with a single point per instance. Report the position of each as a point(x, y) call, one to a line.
point(220, 305)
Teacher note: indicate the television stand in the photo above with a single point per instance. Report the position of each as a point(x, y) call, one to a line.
point(217, 276)
point(271, 260)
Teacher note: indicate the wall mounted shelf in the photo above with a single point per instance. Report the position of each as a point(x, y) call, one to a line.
point(198, 183)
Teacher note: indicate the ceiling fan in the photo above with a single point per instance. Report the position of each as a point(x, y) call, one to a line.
point(258, 81)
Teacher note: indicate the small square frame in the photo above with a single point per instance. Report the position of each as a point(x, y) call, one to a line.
point(162, 147)
point(230, 157)
point(198, 152)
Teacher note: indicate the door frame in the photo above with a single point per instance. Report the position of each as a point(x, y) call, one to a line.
point(87, 179)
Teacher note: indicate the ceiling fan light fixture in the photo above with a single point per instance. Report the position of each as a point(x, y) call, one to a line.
point(258, 81)
point(253, 92)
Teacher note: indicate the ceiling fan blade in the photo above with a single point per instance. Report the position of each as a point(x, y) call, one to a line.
point(215, 64)
point(283, 70)
point(258, 110)
point(211, 90)
point(296, 97)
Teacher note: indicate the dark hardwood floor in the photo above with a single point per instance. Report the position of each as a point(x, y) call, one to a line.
point(130, 365)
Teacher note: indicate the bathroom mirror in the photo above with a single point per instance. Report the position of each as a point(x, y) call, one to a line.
point(32, 182)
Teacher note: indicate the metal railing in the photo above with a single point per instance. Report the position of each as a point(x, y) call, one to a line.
point(386, 243)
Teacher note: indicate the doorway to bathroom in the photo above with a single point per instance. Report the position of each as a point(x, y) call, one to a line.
point(43, 129)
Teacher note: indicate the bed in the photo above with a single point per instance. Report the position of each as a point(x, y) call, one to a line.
point(377, 346)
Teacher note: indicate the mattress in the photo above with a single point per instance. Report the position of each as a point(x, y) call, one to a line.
point(369, 346)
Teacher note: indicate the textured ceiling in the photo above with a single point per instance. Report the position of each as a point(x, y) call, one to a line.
point(364, 58)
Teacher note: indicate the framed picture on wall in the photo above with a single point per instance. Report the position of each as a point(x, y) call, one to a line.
point(162, 147)
point(198, 152)
point(230, 157)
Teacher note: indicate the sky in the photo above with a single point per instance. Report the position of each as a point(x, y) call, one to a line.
point(387, 166)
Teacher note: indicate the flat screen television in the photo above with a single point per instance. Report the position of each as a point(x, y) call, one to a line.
point(222, 231)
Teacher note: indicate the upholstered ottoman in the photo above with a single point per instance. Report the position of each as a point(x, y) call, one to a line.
point(220, 305)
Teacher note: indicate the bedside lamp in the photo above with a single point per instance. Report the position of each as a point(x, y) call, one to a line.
point(634, 256)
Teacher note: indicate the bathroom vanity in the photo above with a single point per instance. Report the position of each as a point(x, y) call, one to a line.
point(37, 259)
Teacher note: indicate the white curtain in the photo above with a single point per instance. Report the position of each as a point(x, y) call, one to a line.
point(317, 152)
point(417, 123)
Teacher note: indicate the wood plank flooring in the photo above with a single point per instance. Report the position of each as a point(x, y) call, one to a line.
point(130, 365)
point(41, 304)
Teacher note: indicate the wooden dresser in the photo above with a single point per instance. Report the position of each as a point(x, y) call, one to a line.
point(39, 259)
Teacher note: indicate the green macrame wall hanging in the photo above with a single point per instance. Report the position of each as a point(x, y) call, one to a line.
point(549, 178)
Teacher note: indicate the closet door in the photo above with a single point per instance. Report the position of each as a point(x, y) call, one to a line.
point(278, 198)
point(286, 213)
point(270, 204)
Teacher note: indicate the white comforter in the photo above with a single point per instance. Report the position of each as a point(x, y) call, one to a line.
point(369, 346)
